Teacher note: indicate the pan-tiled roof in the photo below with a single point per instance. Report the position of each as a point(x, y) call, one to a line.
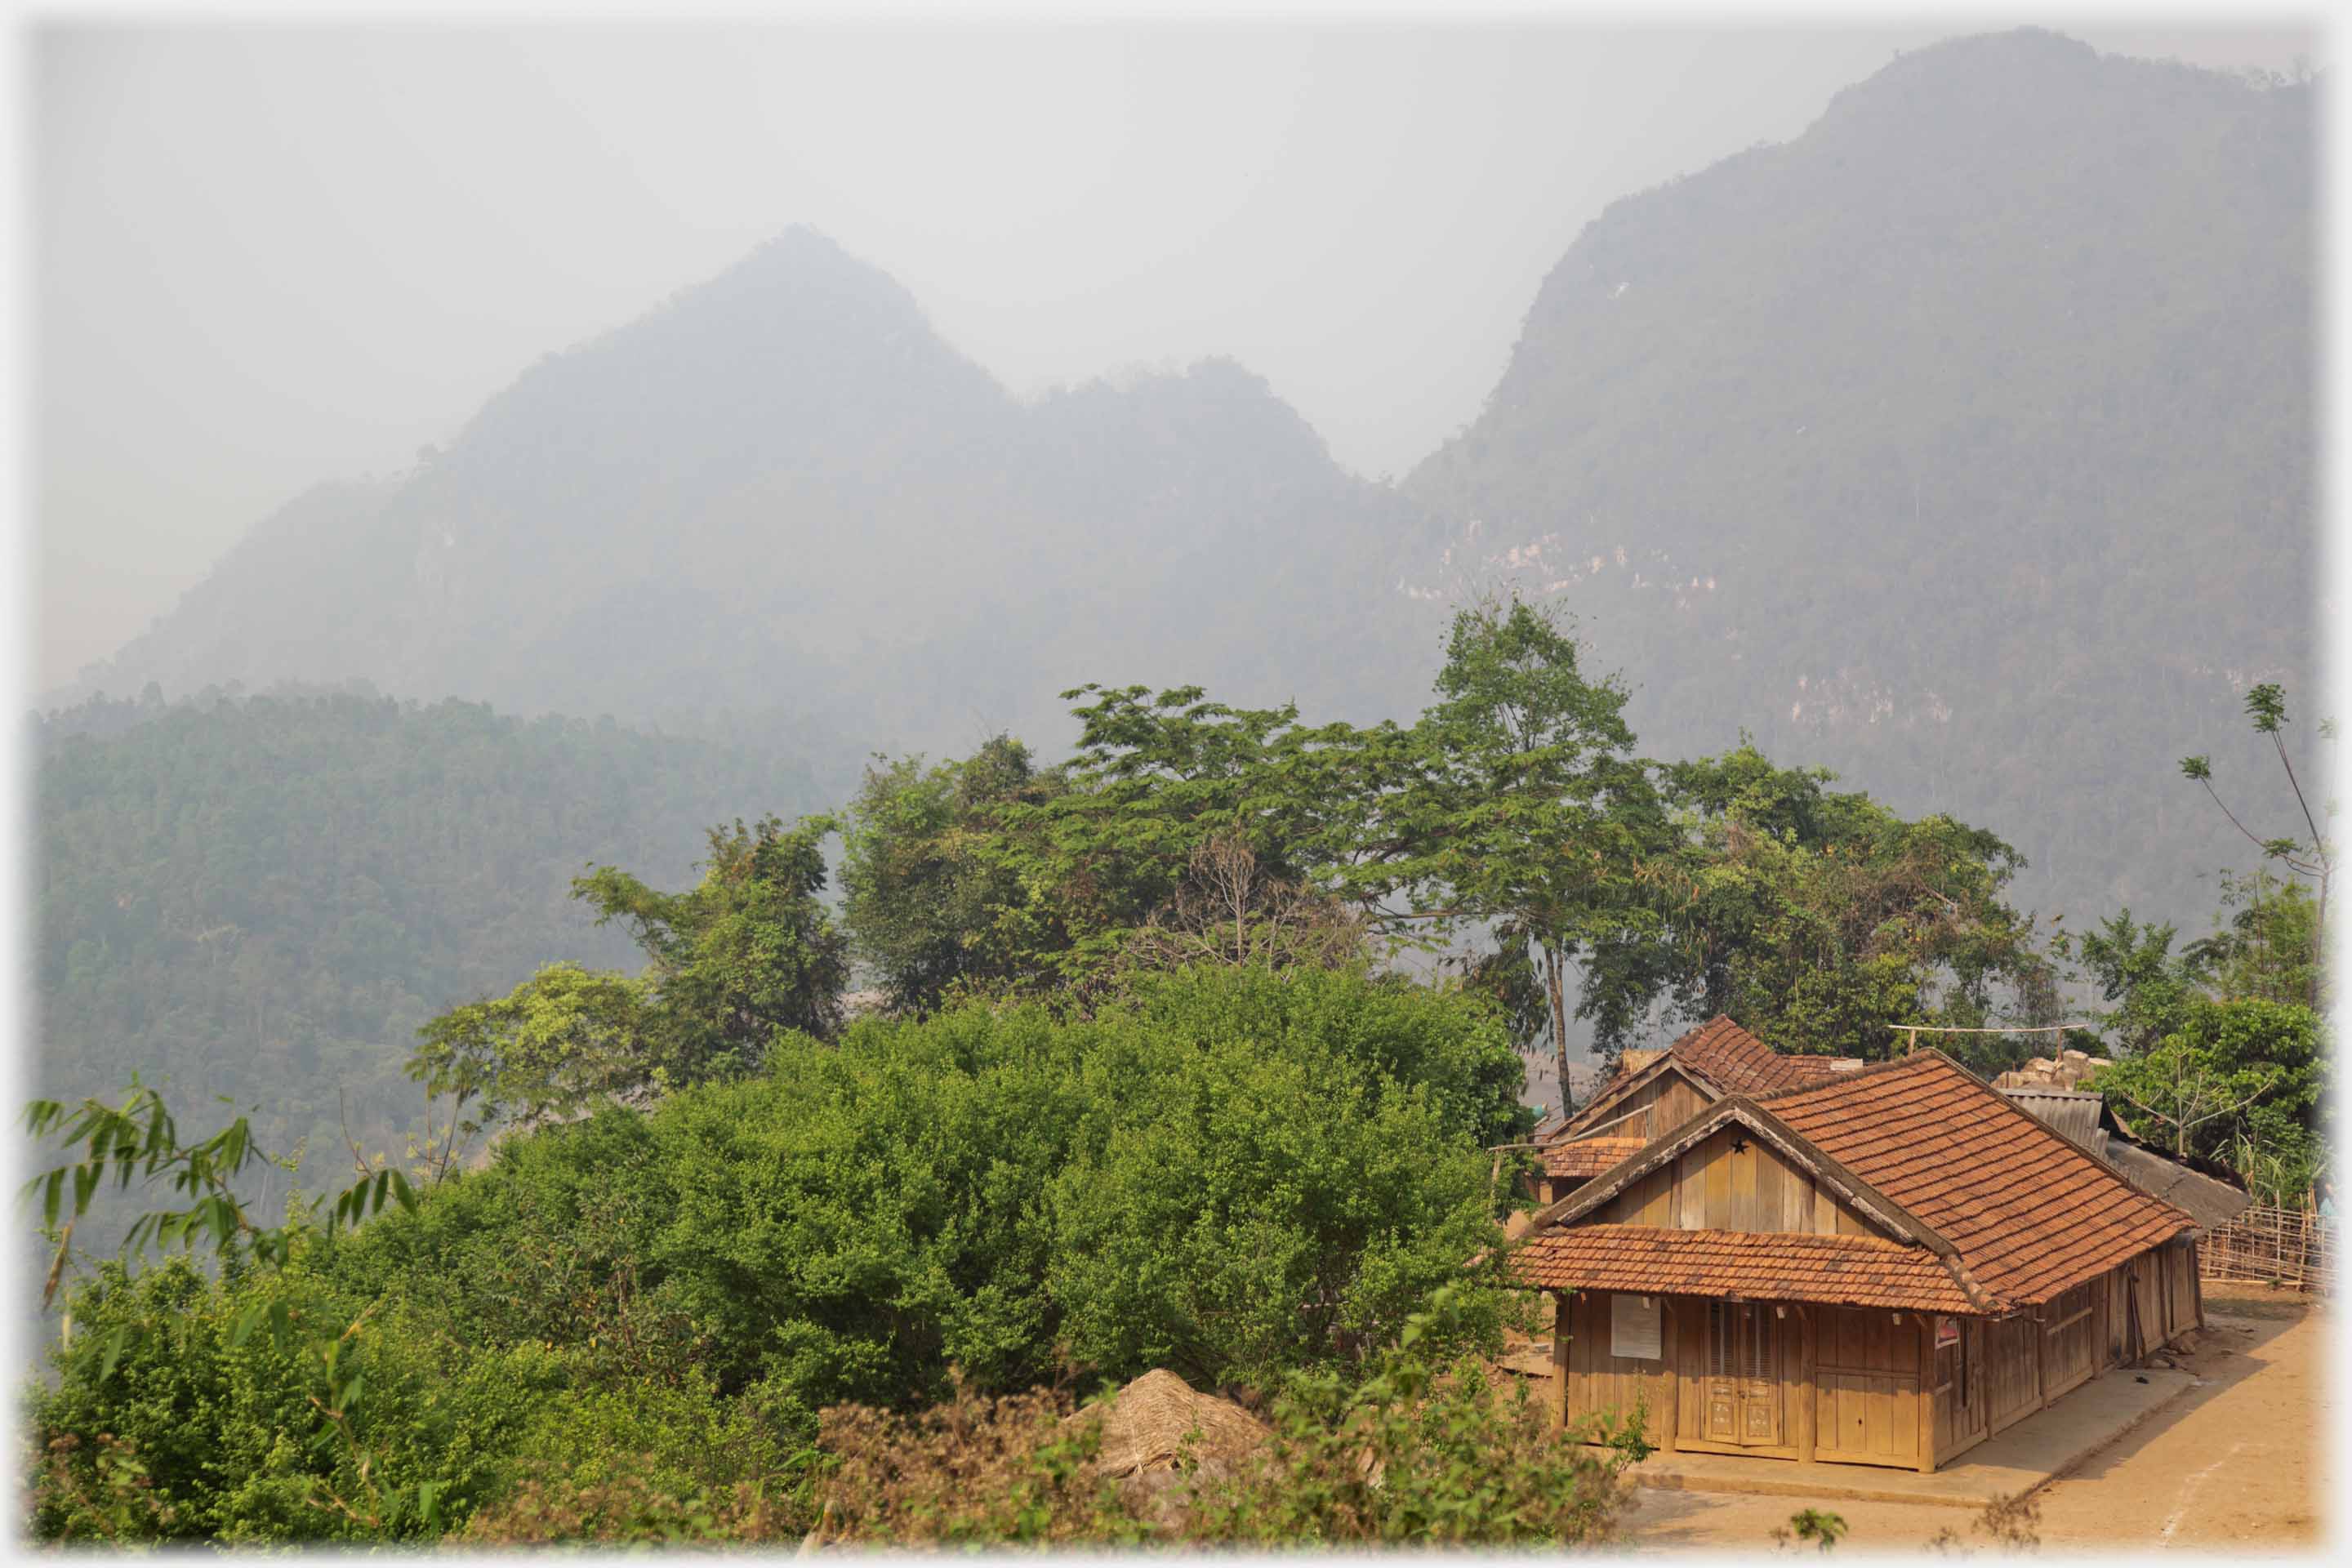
point(2076, 1114)
point(1834, 1271)
point(1737, 1062)
point(1589, 1156)
point(2030, 1214)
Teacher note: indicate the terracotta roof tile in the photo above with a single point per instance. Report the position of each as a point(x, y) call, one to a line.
point(1589, 1156)
point(2032, 1214)
point(1739, 1063)
point(1835, 1270)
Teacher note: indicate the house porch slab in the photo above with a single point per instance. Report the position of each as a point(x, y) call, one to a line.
point(2036, 1451)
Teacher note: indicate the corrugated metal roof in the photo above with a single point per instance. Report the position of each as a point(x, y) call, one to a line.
point(2076, 1114)
point(2070, 1113)
point(2210, 1203)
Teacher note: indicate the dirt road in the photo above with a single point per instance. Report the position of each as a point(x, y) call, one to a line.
point(2237, 1464)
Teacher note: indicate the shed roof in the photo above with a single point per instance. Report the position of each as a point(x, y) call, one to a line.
point(2076, 1114)
point(2031, 1214)
point(2212, 1203)
point(1835, 1270)
point(2072, 1113)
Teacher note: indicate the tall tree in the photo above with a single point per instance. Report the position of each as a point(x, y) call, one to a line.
point(2312, 857)
point(1516, 801)
point(1822, 919)
point(745, 955)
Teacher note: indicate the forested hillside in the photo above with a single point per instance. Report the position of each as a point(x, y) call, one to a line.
point(1963, 444)
point(264, 896)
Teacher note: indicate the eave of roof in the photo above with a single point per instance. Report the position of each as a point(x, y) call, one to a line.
point(1829, 1270)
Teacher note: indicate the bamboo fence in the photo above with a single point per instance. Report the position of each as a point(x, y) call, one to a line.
point(2293, 1248)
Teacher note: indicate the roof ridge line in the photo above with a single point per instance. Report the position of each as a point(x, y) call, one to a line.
point(1869, 1070)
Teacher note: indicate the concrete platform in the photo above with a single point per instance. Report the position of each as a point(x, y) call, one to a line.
point(2037, 1450)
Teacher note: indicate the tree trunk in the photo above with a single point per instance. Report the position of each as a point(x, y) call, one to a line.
point(1559, 1023)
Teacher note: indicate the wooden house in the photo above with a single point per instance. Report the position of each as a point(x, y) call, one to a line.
point(1880, 1266)
point(1655, 1092)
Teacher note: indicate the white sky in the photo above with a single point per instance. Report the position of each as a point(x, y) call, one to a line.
point(267, 256)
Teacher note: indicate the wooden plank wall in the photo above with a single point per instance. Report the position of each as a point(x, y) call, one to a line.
point(2070, 1340)
point(1598, 1382)
point(1866, 1382)
point(2012, 1383)
point(1960, 1420)
point(1710, 1187)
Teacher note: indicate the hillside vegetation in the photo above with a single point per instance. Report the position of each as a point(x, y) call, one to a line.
point(264, 896)
point(1963, 444)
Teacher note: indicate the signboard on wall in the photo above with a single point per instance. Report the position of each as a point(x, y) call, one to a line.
point(1633, 1330)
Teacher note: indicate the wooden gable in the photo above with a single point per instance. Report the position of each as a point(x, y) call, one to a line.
point(1646, 1104)
point(1734, 1180)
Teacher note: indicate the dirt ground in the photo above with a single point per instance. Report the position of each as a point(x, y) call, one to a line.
point(2236, 1464)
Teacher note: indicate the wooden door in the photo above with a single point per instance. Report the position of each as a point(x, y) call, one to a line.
point(1744, 1392)
point(1960, 1413)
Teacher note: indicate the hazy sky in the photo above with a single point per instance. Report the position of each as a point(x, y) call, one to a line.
point(267, 256)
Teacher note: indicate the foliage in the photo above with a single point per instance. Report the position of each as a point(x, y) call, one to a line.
point(165, 1335)
point(2312, 857)
point(930, 900)
point(557, 1044)
point(2009, 1524)
point(2227, 1068)
point(2268, 946)
point(1232, 1171)
point(1515, 801)
point(1426, 1451)
point(1822, 1528)
point(1820, 919)
point(264, 896)
point(748, 954)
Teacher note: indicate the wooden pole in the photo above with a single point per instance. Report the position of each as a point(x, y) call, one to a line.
point(1925, 1396)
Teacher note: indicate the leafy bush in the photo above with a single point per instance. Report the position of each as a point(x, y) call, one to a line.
point(1233, 1172)
point(1426, 1451)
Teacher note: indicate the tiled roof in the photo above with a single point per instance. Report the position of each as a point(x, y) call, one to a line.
point(2031, 1214)
point(1835, 1270)
point(1739, 1063)
point(1589, 1156)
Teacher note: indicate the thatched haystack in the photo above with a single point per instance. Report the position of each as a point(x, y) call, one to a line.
point(1146, 1424)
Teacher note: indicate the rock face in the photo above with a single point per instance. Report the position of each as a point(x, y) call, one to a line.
point(1964, 445)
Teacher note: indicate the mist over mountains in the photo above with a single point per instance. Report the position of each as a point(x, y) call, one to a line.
point(1963, 444)
point(782, 493)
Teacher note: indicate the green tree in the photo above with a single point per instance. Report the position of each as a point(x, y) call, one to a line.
point(1514, 801)
point(747, 954)
point(932, 893)
point(2230, 1067)
point(1822, 919)
point(2311, 857)
point(554, 1046)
